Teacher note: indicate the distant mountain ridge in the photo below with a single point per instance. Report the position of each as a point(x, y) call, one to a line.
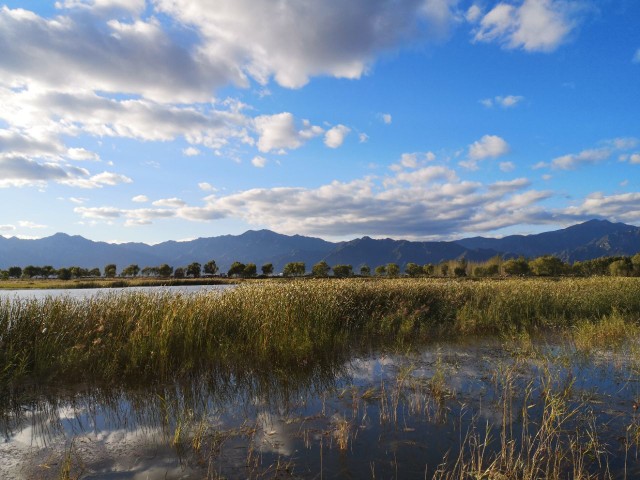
point(592, 239)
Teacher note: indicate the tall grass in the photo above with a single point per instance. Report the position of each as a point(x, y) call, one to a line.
point(279, 325)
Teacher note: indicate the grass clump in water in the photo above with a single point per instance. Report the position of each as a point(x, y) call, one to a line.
point(280, 325)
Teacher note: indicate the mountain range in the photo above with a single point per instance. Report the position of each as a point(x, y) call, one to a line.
point(591, 239)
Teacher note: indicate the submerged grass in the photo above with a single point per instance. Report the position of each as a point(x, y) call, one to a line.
point(279, 325)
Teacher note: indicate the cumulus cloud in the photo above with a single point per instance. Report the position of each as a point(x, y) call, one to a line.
point(279, 132)
point(206, 187)
point(169, 202)
point(140, 199)
point(634, 158)
point(507, 166)
point(621, 207)
point(308, 38)
point(534, 25)
point(134, 56)
point(191, 152)
point(507, 101)
point(489, 146)
point(335, 136)
point(585, 157)
point(259, 162)
point(426, 201)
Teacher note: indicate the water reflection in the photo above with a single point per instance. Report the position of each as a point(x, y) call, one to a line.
point(81, 293)
point(382, 415)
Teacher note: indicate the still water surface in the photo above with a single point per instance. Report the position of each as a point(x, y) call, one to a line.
point(89, 292)
point(376, 415)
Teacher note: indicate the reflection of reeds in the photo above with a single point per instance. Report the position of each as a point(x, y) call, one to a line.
point(282, 325)
point(558, 438)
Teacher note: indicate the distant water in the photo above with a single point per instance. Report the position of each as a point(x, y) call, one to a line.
point(90, 292)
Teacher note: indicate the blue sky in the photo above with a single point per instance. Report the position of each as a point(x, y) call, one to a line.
point(154, 120)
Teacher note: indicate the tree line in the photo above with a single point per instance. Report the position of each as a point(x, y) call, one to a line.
point(546, 265)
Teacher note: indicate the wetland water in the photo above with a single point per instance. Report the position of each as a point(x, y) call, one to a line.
point(80, 293)
point(370, 415)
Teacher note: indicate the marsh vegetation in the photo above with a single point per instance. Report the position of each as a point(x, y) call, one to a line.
point(406, 378)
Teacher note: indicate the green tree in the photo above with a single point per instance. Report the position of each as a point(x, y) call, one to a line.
point(621, 268)
point(31, 271)
point(193, 270)
point(342, 271)
point(320, 269)
point(429, 269)
point(518, 266)
point(393, 270)
point(110, 270)
point(210, 268)
point(548, 266)
point(64, 274)
point(267, 269)
point(413, 269)
point(294, 269)
point(250, 270)
point(444, 269)
point(381, 270)
point(635, 261)
point(236, 269)
point(165, 270)
point(178, 272)
point(365, 270)
point(15, 272)
point(94, 272)
point(130, 271)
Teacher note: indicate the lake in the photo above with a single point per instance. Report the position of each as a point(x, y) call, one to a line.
point(89, 292)
point(376, 414)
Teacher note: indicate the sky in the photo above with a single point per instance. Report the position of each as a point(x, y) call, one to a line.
point(155, 120)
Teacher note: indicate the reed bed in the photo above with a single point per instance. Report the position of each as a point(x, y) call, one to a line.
point(283, 324)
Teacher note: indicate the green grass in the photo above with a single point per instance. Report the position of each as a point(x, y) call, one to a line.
point(284, 324)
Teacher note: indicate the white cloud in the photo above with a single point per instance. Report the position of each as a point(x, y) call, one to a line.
point(636, 57)
point(428, 201)
point(363, 138)
point(278, 132)
point(586, 157)
point(489, 146)
point(30, 225)
point(618, 208)
point(140, 199)
point(206, 187)
point(386, 118)
point(169, 202)
point(507, 101)
point(507, 166)
point(307, 38)
point(473, 14)
point(191, 152)
point(635, 158)
point(535, 25)
point(77, 200)
point(81, 154)
point(259, 162)
point(335, 136)
point(7, 228)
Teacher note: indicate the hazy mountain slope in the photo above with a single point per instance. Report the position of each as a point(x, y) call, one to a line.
point(588, 240)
